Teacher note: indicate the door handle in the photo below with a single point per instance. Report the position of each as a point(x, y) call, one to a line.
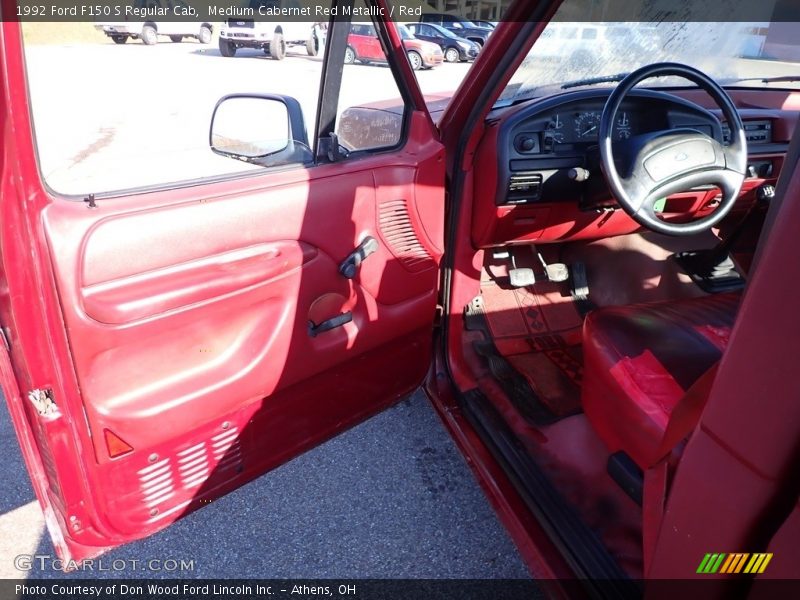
point(349, 266)
point(314, 330)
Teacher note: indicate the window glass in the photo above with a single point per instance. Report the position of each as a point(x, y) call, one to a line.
point(589, 34)
point(113, 113)
point(371, 109)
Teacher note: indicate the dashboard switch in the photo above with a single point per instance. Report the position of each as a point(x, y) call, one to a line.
point(578, 174)
point(527, 143)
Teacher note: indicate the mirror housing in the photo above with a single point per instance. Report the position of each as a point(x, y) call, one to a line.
point(263, 129)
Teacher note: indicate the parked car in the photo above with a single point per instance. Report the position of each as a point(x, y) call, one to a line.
point(364, 46)
point(273, 37)
point(455, 48)
point(148, 31)
point(459, 26)
point(586, 43)
point(488, 24)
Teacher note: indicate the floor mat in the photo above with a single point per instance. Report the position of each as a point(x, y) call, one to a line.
point(519, 388)
point(555, 376)
point(537, 332)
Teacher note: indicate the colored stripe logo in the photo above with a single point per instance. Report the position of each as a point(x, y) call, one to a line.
point(741, 562)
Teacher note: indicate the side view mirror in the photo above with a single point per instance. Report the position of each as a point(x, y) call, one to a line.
point(264, 129)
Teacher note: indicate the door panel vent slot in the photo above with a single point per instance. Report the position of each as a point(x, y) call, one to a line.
point(156, 483)
point(397, 230)
point(226, 450)
point(177, 478)
point(193, 465)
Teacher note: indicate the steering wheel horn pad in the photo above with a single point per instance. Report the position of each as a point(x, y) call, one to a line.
point(652, 166)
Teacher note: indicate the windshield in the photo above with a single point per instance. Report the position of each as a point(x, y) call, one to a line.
point(405, 34)
point(578, 53)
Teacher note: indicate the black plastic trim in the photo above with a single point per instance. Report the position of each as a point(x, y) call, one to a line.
point(627, 475)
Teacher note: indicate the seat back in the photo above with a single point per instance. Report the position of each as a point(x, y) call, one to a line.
point(736, 481)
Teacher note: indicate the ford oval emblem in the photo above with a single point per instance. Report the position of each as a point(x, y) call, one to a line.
point(681, 156)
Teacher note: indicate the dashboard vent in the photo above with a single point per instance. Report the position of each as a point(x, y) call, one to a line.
point(524, 186)
point(398, 232)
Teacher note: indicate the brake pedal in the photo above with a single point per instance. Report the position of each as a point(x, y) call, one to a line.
point(557, 272)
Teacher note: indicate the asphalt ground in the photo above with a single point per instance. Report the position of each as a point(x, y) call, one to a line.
point(390, 498)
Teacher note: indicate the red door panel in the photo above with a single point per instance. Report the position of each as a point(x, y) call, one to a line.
point(173, 332)
point(203, 319)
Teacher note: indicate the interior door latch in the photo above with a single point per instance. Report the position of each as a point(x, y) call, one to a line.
point(43, 402)
point(349, 266)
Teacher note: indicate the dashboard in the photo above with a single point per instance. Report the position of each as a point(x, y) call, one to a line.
point(543, 181)
point(542, 147)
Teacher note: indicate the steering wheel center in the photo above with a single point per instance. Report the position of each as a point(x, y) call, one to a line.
point(657, 164)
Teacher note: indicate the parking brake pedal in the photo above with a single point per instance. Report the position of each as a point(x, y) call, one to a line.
point(522, 277)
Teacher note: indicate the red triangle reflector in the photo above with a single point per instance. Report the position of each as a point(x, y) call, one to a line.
point(116, 445)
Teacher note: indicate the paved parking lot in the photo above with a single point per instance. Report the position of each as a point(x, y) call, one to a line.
point(390, 498)
point(111, 117)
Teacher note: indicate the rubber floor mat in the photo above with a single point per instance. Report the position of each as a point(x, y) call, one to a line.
point(555, 377)
point(538, 331)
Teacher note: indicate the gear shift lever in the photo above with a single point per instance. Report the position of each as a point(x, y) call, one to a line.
point(713, 269)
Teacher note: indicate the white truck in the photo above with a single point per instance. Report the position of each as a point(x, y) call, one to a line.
point(148, 31)
point(272, 37)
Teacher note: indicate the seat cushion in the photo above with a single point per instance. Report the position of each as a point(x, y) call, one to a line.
point(639, 360)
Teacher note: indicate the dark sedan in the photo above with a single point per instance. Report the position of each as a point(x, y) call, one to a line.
point(455, 48)
point(458, 26)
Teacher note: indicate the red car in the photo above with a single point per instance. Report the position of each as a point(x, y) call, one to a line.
point(363, 45)
point(596, 282)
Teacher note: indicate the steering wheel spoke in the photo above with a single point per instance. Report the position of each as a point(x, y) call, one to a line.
point(662, 163)
point(637, 190)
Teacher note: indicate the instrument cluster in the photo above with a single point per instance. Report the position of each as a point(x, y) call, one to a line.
point(559, 130)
